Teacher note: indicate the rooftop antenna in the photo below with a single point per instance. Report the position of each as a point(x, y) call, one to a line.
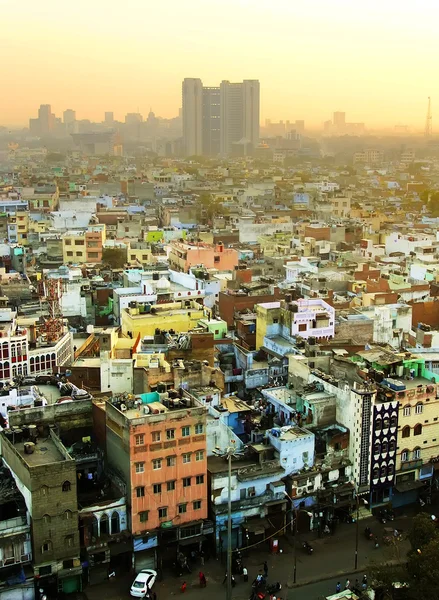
point(428, 122)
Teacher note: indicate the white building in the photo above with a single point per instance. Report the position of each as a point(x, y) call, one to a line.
point(313, 317)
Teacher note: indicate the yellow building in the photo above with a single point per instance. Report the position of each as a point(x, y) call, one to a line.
point(73, 247)
point(267, 315)
point(140, 253)
point(179, 316)
point(418, 432)
point(21, 220)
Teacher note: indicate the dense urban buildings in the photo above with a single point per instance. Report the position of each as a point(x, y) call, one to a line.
point(175, 292)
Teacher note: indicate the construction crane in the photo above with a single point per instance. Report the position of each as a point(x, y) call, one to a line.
point(50, 291)
point(428, 122)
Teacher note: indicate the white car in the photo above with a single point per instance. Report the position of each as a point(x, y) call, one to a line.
point(143, 583)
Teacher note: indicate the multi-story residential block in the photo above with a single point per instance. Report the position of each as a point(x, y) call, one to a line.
point(183, 256)
point(46, 475)
point(16, 546)
point(159, 448)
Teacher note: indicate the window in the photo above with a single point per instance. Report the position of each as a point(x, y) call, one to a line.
point(140, 491)
point(251, 492)
point(163, 512)
point(170, 486)
point(199, 455)
point(79, 242)
point(66, 487)
point(417, 453)
point(143, 516)
point(407, 410)
point(157, 464)
point(46, 547)
point(376, 473)
point(419, 408)
point(182, 508)
point(93, 254)
point(199, 479)
point(392, 446)
point(44, 490)
point(140, 467)
point(79, 254)
point(199, 428)
point(404, 455)
point(186, 482)
point(156, 436)
point(185, 431)
point(186, 457)
point(196, 505)
point(376, 448)
point(170, 461)
point(383, 471)
point(390, 470)
point(67, 515)
point(417, 430)
point(46, 519)
point(69, 539)
point(302, 327)
point(406, 431)
point(68, 242)
point(139, 439)
point(170, 434)
point(70, 253)
point(275, 321)
point(157, 488)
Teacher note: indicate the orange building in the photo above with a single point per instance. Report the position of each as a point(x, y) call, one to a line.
point(183, 256)
point(94, 240)
point(160, 450)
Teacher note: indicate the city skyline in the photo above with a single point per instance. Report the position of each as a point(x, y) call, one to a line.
point(311, 60)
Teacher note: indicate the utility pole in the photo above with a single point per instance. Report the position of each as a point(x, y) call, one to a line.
point(229, 531)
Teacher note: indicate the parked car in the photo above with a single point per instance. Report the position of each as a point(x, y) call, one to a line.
point(143, 583)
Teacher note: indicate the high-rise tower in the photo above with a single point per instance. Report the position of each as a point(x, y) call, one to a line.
point(192, 97)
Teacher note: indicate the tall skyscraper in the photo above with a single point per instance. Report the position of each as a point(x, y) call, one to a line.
point(46, 119)
point(192, 97)
point(251, 108)
point(69, 116)
point(109, 118)
point(211, 119)
point(239, 114)
point(339, 120)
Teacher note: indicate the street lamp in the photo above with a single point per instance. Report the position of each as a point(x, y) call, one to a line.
point(295, 511)
point(228, 453)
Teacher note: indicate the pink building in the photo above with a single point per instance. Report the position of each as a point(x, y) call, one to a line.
point(184, 255)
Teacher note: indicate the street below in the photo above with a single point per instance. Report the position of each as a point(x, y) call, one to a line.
point(333, 560)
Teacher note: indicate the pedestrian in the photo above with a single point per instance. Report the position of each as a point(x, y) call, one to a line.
point(338, 587)
point(245, 573)
point(233, 581)
point(347, 585)
point(202, 578)
point(225, 578)
point(364, 582)
point(183, 587)
point(202, 557)
point(265, 568)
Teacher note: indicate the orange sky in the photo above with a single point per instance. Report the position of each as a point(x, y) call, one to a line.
point(378, 60)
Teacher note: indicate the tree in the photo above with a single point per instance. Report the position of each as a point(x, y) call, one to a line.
point(433, 203)
point(423, 567)
point(422, 531)
point(115, 257)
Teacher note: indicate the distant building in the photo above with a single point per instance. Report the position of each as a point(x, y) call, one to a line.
point(339, 120)
point(211, 120)
point(239, 114)
point(192, 98)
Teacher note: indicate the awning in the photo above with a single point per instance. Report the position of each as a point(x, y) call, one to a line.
point(408, 486)
point(120, 547)
point(257, 527)
point(192, 540)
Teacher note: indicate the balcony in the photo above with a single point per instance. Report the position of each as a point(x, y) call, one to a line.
point(260, 500)
point(13, 523)
point(15, 560)
point(233, 375)
point(411, 464)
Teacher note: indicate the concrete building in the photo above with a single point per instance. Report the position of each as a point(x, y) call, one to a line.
point(183, 256)
point(211, 121)
point(192, 103)
point(160, 450)
point(239, 114)
point(45, 474)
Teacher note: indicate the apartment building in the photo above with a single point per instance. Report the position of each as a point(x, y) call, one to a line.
point(159, 447)
point(46, 474)
point(183, 256)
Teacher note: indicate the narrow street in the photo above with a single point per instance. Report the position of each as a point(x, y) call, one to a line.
point(317, 575)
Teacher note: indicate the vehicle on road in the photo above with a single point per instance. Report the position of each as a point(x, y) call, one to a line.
point(143, 583)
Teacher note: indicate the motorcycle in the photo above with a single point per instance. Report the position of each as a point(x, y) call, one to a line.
point(368, 533)
point(274, 587)
point(307, 547)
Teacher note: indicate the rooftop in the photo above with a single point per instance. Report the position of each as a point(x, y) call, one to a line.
point(46, 451)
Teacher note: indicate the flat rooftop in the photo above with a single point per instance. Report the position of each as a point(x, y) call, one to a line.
point(46, 452)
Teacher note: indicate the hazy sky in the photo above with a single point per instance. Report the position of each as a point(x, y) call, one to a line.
point(377, 60)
